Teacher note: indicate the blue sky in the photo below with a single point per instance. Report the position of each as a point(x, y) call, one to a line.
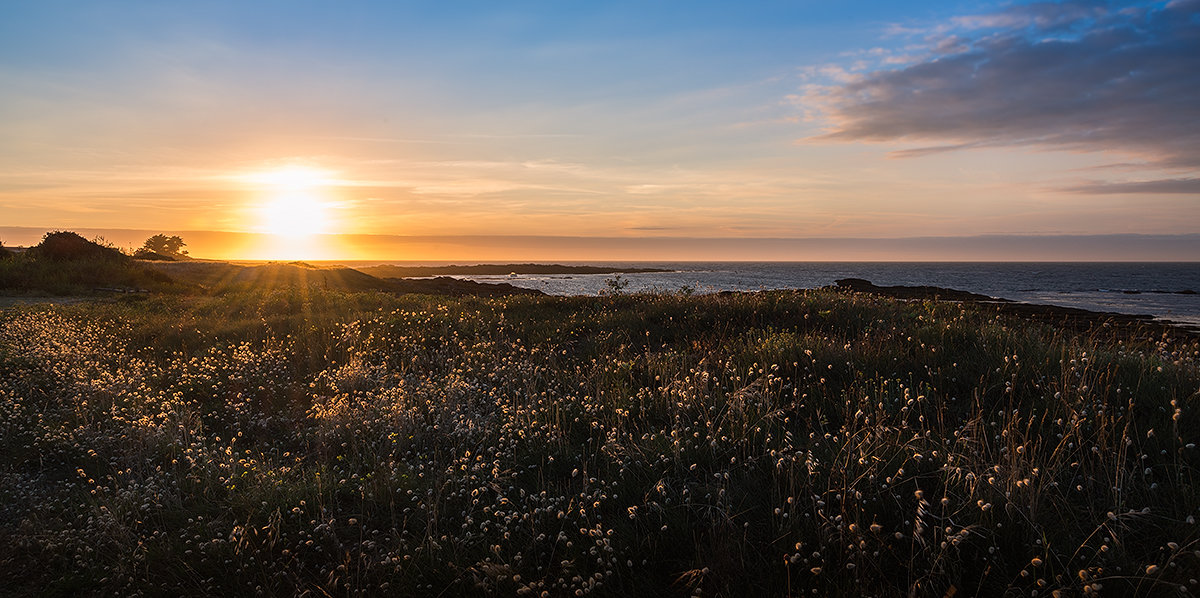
point(756, 120)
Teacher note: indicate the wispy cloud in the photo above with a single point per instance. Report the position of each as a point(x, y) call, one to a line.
point(1041, 16)
point(1163, 186)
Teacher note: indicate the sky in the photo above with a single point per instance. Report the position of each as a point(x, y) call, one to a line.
point(535, 130)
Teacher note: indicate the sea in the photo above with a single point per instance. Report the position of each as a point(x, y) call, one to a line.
point(1167, 291)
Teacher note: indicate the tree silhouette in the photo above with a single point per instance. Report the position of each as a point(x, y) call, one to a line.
point(165, 246)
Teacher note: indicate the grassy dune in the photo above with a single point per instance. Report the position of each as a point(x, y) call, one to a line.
point(785, 443)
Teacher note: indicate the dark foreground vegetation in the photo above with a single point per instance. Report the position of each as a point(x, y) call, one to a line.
point(313, 442)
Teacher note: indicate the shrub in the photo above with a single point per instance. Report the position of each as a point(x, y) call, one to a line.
point(69, 246)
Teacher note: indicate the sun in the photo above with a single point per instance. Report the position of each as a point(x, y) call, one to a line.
point(293, 207)
point(293, 201)
point(294, 214)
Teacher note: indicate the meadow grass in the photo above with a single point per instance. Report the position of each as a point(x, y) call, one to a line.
point(311, 442)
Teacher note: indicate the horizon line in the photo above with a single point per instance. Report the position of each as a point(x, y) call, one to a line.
point(375, 247)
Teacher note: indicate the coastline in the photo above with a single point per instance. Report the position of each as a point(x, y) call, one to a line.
point(583, 280)
point(395, 271)
point(1144, 288)
point(1075, 318)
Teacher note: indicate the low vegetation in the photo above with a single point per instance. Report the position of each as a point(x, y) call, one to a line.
point(64, 263)
point(313, 442)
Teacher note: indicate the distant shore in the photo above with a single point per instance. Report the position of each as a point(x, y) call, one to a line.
point(391, 271)
point(86, 268)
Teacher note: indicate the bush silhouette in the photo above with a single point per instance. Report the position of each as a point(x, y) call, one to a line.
point(68, 246)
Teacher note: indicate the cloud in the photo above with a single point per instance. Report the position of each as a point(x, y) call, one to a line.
point(1075, 76)
point(1163, 186)
point(1039, 15)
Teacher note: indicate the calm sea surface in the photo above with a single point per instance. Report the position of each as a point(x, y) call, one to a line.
point(1135, 288)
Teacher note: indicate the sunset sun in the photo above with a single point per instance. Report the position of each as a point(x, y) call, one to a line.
point(294, 214)
point(292, 205)
point(292, 201)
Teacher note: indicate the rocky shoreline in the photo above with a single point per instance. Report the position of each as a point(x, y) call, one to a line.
point(448, 285)
point(1069, 317)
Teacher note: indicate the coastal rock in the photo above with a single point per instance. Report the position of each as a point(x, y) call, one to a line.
point(1070, 317)
point(448, 285)
point(859, 285)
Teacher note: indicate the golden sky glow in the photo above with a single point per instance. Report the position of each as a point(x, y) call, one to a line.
point(302, 121)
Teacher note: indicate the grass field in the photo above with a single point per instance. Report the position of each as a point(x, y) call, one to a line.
point(779, 443)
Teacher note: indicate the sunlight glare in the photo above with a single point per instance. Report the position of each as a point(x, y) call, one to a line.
point(294, 214)
point(293, 207)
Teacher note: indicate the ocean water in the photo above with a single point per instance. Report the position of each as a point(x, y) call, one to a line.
point(1135, 288)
